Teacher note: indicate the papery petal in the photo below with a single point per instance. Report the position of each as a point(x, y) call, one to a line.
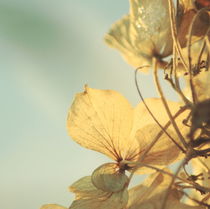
point(120, 37)
point(52, 206)
point(201, 86)
point(89, 197)
point(142, 117)
point(108, 178)
point(151, 25)
point(101, 120)
point(147, 189)
point(164, 151)
point(114, 200)
point(151, 194)
point(84, 188)
point(196, 48)
point(143, 34)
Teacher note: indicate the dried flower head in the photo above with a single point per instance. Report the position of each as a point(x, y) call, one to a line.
point(144, 33)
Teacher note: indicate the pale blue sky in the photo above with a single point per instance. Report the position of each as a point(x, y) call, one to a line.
point(49, 50)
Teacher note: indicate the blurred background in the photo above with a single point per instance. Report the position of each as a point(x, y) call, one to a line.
point(48, 51)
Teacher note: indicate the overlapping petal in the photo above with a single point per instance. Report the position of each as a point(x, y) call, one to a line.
point(109, 178)
point(164, 151)
point(89, 197)
point(103, 120)
point(150, 194)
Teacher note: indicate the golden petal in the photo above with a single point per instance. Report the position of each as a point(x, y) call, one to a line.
point(151, 194)
point(142, 35)
point(164, 151)
point(101, 120)
point(108, 178)
point(89, 197)
point(52, 206)
point(151, 25)
point(84, 188)
point(114, 200)
point(120, 38)
point(143, 118)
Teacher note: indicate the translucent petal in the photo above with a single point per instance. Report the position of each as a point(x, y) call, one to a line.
point(52, 206)
point(114, 200)
point(119, 37)
point(201, 86)
point(150, 23)
point(84, 188)
point(163, 153)
point(151, 194)
point(108, 178)
point(101, 120)
point(143, 34)
point(142, 117)
point(89, 197)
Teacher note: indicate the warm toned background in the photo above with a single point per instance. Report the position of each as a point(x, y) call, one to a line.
point(48, 51)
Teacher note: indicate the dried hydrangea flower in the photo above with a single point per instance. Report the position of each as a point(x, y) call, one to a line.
point(104, 121)
point(150, 195)
point(144, 33)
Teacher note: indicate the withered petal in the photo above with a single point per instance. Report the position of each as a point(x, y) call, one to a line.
point(108, 178)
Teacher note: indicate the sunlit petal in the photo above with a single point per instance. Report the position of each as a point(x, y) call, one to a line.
point(143, 34)
point(52, 206)
point(150, 194)
point(102, 120)
point(109, 178)
point(88, 197)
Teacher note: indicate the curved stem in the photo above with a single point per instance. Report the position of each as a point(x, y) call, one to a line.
point(154, 118)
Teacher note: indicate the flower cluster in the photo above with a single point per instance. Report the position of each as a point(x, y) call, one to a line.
point(156, 34)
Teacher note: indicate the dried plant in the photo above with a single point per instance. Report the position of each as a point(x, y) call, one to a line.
point(156, 35)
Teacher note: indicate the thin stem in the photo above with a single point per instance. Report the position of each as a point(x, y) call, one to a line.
point(177, 85)
point(166, 105)
point(171, 184)
point(154, 118)
point(174, 33)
